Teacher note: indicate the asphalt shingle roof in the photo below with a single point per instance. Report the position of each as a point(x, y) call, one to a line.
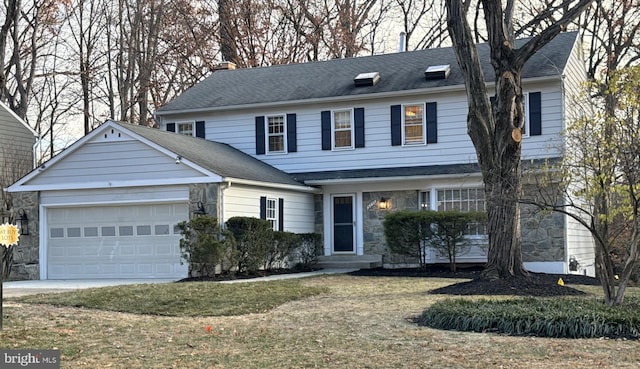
point(216, 157)
point(332, 78)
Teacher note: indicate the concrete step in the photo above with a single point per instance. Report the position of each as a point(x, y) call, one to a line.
point(350, 261)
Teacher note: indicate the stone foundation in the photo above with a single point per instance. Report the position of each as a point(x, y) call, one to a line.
point(205, 194)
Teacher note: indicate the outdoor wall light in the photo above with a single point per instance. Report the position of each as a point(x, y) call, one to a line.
point(199, 210)
point(383, 204)
point(23, 222)
point(178, 159)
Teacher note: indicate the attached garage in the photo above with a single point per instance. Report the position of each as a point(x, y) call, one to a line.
point(131, 241)
point(108, 206)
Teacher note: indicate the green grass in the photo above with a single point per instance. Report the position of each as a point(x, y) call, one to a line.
point(568, 317)
point(183, 299)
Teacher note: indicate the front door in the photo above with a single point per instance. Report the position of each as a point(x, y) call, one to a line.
point(343, 225)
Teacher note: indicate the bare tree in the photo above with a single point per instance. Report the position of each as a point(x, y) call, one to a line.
point(492, 128)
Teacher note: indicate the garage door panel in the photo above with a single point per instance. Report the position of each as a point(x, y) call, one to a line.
point(134, 241)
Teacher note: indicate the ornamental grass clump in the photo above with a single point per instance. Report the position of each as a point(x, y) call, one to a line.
point(560, 318)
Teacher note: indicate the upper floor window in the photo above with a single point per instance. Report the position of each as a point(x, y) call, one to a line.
point(413, 124)
point(185, 128)
point(276, 131)
point(343, 129)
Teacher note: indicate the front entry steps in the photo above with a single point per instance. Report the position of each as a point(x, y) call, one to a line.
point(350, 261)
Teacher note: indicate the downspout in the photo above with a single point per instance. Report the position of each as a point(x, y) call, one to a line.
point(223, 186)
point(38, 142)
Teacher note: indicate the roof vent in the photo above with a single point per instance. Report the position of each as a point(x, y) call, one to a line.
point(366, 79)
point(437, 72)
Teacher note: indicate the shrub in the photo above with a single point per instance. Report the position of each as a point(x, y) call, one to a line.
point(403, 233)
point(308, 250)
point(447, 232)
point(253, 239)
point(280, 251)
point(542, 317)
point(204, 245)
point(411, 232)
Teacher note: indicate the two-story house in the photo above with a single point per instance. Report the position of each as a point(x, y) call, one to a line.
point(17, 142)
point(330, 147)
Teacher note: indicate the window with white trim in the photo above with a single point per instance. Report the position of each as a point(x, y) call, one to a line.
point(276, 130)
point(413, 124)
point(185, 128)
point(464, 199)
point(342, 125)
point(272, 213)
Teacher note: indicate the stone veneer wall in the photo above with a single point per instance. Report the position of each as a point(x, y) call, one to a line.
point(207, 194)
point(373, 218)
point(543, 234)
point(26, 254)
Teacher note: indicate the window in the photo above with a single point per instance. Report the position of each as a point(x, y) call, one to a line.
point(276, 134)
point(73, 232)
point(425, 200)
point(342, 130)
point(272, 213)
point(91, 231)
point(464, 199)
point(185, 128)
point(413, 124)
point(125, 230)
point(143, 230)
point(108, 231)
point(161, 229)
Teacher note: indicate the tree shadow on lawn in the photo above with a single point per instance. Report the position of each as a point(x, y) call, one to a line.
point(537, 284)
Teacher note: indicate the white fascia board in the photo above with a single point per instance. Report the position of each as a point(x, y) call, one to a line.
point(115, 184)
point(282, 186)
point(326, 182)
point(332, 99)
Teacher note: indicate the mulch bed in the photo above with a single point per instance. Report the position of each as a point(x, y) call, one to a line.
point(537, 284)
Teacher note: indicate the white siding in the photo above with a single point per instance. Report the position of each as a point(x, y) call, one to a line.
point(109, 161)
point(115, 195)
point(454, 145)
point(580, 244)
point(16, 147)
point(244, 201)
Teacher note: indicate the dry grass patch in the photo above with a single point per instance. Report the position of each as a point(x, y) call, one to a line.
point(360, 322)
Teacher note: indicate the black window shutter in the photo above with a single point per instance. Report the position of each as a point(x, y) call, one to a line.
point(325, 118)
point(171, 127)
point(396, 125)
point(358, 117)
point(263, 207)
point(292, 145)
point(200, 129)
point(260, 135)
point(281, 215)
point(432, 122)
point(535, 114)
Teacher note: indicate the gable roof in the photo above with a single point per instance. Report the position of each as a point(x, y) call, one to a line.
point(220, 158)
point(335, 78)
point(218, 161)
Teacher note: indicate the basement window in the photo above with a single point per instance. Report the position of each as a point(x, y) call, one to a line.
point(437, 72)
point(367, 79)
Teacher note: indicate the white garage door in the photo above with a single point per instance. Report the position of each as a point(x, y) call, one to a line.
point(132, 241)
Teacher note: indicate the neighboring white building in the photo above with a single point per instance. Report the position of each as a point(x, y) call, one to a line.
point(328, 146)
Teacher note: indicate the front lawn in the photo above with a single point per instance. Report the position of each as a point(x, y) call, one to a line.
point(345, 322)
point(183, 299)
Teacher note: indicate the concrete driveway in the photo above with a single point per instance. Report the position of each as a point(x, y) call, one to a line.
point(21, 288)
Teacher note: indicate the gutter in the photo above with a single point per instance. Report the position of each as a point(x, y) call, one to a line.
point(282, 186)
